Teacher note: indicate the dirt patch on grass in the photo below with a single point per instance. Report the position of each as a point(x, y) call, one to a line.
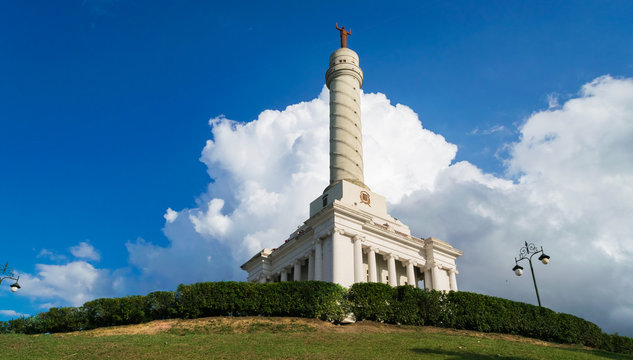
point(247, 324)
point(251, 324)
point(149, 328)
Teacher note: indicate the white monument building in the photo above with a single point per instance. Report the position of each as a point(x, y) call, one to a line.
point(349, 236)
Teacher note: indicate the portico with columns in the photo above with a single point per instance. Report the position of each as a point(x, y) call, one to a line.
point(349, 236)
point(346, 242)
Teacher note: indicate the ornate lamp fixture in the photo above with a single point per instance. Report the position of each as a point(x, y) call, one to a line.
point(7, 273)
point(526, 253)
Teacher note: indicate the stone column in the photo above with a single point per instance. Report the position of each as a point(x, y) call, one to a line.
point(311, 265)
point(297, 270)
point(429, 273)
point(371, 262)
point(436, 276)
point(411, 274)
point(284, 275)
point(453, 280)
point(358, 260)
point(392, 270)
point(318, 260)
point(339, 259)
point(262, 279)
point(428, 281)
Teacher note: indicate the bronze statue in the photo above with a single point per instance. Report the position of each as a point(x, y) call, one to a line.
point(344, 34)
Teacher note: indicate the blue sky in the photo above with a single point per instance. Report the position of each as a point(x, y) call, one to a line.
point(105, 108)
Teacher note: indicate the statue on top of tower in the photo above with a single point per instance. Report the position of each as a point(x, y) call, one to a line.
point(344, 34)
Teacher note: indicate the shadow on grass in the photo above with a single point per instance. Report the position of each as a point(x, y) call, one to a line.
point(465, 355)
point(459, 355)
point(605, 354)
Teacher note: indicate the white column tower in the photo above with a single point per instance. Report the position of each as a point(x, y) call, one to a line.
point(344, 78)
point(348, 220)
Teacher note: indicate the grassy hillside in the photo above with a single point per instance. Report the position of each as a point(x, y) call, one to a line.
point(288, 338)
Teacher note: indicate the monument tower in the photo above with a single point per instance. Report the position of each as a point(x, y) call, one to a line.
point(344, 78)
point(349, 236)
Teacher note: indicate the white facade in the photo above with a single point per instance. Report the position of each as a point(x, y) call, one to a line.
point(349, 236)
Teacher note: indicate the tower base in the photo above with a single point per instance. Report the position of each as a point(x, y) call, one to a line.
point(351, 238)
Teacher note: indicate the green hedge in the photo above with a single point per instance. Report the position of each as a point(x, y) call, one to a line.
point(491, 314)
point(371, 301)
point(160, 305)
point(618, 344)
point(327, 301)
point(115, 311)
point(62, 319)
point(216, 299)
point(471, 311)
point(312, 299)
point(157, 305)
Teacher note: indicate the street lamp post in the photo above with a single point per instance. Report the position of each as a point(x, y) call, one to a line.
point(527, 252)
point(7, 273)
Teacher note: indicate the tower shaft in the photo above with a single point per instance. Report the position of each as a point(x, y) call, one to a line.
point(344, 78)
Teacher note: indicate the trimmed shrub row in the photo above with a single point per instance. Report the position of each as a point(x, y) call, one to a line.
point(309, 299)
point(469, 311)
point(327, 301)
point(398, 305)
point(137, 309)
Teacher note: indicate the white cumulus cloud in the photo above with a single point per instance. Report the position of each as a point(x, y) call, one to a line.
point(44, 253)
point(73, 283)
point(170, 215)
point(266, 172)
point(85, 251)
point(573, 195)
point(12, 313)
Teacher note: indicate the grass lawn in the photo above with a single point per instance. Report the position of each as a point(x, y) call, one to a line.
point(283, 338)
